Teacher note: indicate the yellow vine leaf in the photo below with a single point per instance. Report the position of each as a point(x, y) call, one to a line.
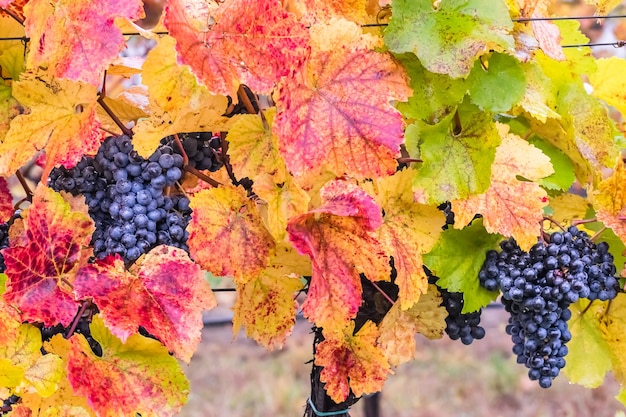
point(503, 210)
point(398, 328)
point(604, 7)
point(352, 362)
point(9, 317)
point(408, 230)
point(567, 207)
point(62, 120)
point(226, 234)
point(179, 102)
point(613, 327)
point(284, 200)
point(609, 200)
point(589, 357)
point(538, 97)
point(266, 306)
point(609, 84)
point(253, 149)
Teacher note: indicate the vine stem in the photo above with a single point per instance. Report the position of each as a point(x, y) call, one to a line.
point(182, 150)
point(27, 190)
point(582, 313)
point(384, 294)
point(14, 16)
point(77, 319)
point(202, 176)
point(403, 160)
point(597, 234)
point(583, 221)
point(113, 116)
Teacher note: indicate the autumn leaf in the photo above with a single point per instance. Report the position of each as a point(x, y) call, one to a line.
point(284, 201)
point(612, 326)
point(339, 237)
point(9, 108)
point(409, 229)
point(237, 42)
point(178, 102)
point(604, 7)
point(609, 200)
point(312, 11)
point(455, 165)
point(24, 368)
point(449, 38)
point(538, 99)
point(9, 316)
point(226, 234)
point(589, 357)
point(457, 259)
point(352, 362)
point(502, 209)
point(6, 201)
point(266, 306)
point(398, 328)
point(62, 120)
point(337, 111)
point(138, 376)
point(40, 266)
point(61, 34)
point(165, 292)
point(608, 84)
point(253, 149)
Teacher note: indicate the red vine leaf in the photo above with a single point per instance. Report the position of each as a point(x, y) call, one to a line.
point(338, 110)
point(226, 234)
point(352, 362)
point(165, 293)
point(138, 376)
point(238, 42)
point(6, 201)
point(49, 255)
point(339, 238)
point(61, 33)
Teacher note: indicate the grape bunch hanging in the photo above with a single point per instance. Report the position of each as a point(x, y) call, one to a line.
point(538, 288)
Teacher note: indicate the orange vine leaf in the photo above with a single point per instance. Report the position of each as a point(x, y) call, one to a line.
point(165, 293)
point(226, 234)
point(237, 42)
point(62, 35)
point(338, 110)
point(51, 251)
point(352, 362)
point(340, 239)
point(138, 376)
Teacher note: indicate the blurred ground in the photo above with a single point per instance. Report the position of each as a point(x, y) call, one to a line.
point(238, 378)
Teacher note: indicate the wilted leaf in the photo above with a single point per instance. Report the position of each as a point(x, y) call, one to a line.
point(609, 200)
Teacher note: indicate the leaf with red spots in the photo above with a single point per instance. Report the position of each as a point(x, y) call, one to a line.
point(239, 42)
point(62, 120)
point(340, 239)
point(337, 111)
point(266, 306)
point(352, 362)
point(6, 201)
point(61, 36)
point(226, 234)
point(46, 259)
point(165, 293)
point(138, 376)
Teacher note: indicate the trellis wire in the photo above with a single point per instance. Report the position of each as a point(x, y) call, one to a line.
point(616, 44)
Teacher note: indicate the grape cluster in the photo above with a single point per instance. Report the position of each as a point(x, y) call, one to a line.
point(7, 405)
point(537, 289)
point(463, 326)
point(203, 149)
point(4, 243)
point(126, 200)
